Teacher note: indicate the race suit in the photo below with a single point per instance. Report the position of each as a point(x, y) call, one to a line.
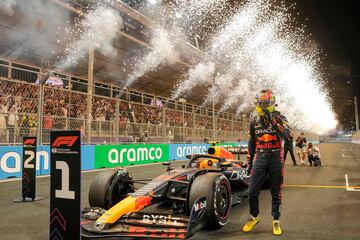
point(266, 158)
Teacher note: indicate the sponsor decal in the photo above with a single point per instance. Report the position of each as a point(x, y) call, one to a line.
point(64, 140)
point(267, 138)
point(137, 231)
point(124, 155)
point(160, 219)
point(238, 175)
point(268, 130)
point(269, 145)
point(180, 151)
point(30, 141)
point(200, 205)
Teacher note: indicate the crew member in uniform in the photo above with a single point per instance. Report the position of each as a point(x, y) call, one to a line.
point(268, 130)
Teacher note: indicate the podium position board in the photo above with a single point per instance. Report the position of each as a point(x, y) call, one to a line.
point(29, 168)
point(65, 185)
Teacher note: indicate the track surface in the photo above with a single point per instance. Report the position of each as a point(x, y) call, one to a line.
point(307, 213)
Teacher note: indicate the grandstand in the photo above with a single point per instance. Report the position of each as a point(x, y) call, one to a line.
point(89, 97)
point(112, 119)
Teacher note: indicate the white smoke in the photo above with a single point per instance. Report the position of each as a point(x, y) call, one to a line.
point(97, 30)
point(162, 51)
point(7, 7)
point(38, 21)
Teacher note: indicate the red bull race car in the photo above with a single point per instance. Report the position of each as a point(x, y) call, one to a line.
point(174, 205)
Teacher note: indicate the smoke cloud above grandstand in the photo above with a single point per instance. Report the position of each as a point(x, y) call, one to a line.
point(39, 21)
point(7, 7)
point(96, 30)
point(259, 47)
point(174, 24)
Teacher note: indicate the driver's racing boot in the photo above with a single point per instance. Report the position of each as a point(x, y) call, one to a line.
point(276, 227)
point(251, 223)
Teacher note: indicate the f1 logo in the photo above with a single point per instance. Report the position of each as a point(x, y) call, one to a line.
point(29, 141)
point(65, 140)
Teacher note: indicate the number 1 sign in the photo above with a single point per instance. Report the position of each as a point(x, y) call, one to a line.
point(65, 186)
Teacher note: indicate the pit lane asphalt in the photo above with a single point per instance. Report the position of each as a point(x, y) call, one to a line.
point(310, 210)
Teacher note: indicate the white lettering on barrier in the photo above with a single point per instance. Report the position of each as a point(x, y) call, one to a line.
point(4, 162)
point(113, 156)
point(151, 155)
point(142, 154)
point(122, 151)
point(188, 150)
point(133, 155)
point(40, 156)
point(158, 153)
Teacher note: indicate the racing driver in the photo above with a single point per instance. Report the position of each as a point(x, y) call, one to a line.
point(268, 129)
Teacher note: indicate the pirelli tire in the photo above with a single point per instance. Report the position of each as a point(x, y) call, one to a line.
point(99, 189)
point(216, 188)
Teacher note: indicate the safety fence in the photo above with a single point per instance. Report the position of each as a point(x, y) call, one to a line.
point(110, 115)
point(102, 156)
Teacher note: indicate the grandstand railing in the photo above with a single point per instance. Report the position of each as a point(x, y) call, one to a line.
point(115, 115)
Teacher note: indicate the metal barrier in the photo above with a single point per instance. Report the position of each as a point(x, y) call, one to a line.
point(110, 120)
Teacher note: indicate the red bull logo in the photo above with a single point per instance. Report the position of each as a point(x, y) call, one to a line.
point(267, 138)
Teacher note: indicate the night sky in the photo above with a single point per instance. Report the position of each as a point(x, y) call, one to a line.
point(335, 27)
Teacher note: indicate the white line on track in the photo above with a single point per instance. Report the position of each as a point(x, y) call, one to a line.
point(89, 171)
point(345, 156)
point(348, 188)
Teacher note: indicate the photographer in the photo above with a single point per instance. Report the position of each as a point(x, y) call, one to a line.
point(314, 155)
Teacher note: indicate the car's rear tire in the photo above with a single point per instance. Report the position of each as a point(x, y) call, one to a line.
point(216, 188)
point(99, 189)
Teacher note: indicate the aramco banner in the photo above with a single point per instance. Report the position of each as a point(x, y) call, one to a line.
point(134, 154)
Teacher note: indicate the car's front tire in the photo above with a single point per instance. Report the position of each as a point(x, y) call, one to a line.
point(216, 188)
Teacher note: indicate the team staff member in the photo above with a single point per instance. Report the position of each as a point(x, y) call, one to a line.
point(289, 147)
point(268, 129)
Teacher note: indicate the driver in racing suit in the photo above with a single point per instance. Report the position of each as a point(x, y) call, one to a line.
point(268, 129)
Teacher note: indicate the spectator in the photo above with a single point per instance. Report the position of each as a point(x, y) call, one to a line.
point(145, 138)
point(300, 147)
point(12, 122)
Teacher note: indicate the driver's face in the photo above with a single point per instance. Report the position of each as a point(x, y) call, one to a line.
point(264, 105)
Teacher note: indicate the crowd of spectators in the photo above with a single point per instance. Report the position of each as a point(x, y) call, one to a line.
point(147, 113)
point(19, 107)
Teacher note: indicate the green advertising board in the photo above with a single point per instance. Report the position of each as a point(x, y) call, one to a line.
point(125, 155)
point(228, 144)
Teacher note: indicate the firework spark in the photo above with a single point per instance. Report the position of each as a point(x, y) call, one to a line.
point(260, 48)
point(97, 30)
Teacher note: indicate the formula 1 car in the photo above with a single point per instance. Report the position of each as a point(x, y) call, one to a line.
point(174, 205)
